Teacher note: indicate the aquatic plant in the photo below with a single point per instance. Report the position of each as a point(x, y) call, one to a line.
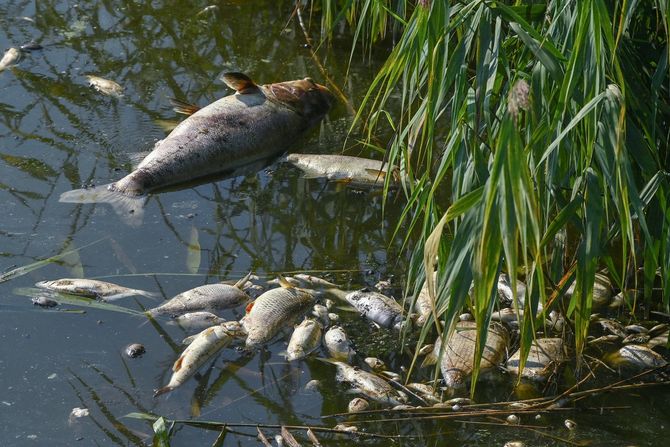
point(534, 140)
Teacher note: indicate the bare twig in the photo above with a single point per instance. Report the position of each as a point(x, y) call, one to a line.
point(262, 438)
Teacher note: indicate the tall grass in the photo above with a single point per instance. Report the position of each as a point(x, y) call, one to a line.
point(545, 126)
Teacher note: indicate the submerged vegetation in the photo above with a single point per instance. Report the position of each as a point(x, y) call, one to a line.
point(532, 138)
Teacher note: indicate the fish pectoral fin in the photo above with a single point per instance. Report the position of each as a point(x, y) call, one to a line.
point(129, 208)
point(240, 82)
point(177, 365)
point(183, 107)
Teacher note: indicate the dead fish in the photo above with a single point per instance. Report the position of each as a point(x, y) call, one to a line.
point(321, 313)
point(197, 320)
point(43, 301)
point(257, 122)
point(92, 288)
point(543, 356)
point(10, 58)
point(368, 384)
point(314, 283)
point(306, 338)
point(31, 46)
point(635, 358)
point(202, 348)
point(358, 404)
point(378, 308)
point(602, 291)
point(105, 86)
point(338, 345)
point(210, 297)
point(427, 392)
point(457, 361)
point(274, 310)
point(135, 350)
point(423, 304)
point(375, 364)
point(355, 171)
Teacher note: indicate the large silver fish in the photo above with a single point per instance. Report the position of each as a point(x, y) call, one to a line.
point(374, 306)
point(274, 310)
point(255, 123)
point(92, 288)
point(355, 171)
point(202, 348)
point(210, 297)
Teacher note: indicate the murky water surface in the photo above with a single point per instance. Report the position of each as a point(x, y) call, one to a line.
point(57, 134)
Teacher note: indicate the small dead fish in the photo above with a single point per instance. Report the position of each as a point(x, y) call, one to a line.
point(274, 310)
point(427, 392)
point(197, 320)
point(378, 308)
point(10, 57)
point(43, 301)
point(92, 288)
point(135, 350)
point(202, 348)
point(321, 312)
point(543, 356)
point(338, 345)
point(375, 364)
point(355, 171)
point(506, 294)
point(210, 297)
point(105, 86)
point(31, 46)
point(358, 404)
point(368, 384)
point(423, 304)
point(306, 338)
point(635, 358)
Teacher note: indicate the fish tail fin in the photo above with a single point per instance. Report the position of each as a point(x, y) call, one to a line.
point(147, 294)
point(129, 208)
point(429, 359)
point(243, 281)
point(161, 391)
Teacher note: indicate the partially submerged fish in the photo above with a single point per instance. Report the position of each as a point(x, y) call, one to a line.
point(209, 297)
point(368, 384)
point(10, 57)
point(197, 320)
point(380, 309)
point(338, 345)
point(544, 356)
point(423, 304)
point(457, 361)
point(274, 310)
point(356, 171)
point(257, 122)
point(92, 288)
point(105, 86)
point(202, 348)
point(635, 358)
point(306, 338)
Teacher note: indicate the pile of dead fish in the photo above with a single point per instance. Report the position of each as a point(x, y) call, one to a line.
point(305, 304)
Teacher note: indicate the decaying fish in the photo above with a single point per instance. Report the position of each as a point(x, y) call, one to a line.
point(306, 338)
point(602, 291)
point(355, 171)
point(274, 310)
point(92, 288)
point(423, 304)
point(105, 86)
point(202, 348)
point(321, 313)
point(315, 284)
point(426, 392)
point(210, 297)
point(257, 122)
point(374, 306)
point(543, 356)
point(368, 384)
point(506, 294)
point(635, 358)
point(338, 345)
point(197, 320)
point(10, 57)
point(457, 361)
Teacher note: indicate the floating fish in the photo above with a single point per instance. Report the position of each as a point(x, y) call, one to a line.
point(10, 57)
point(306, 338)
point(202, 348)
point(378, 308)
point(544, 356)
point(338, 345)
point(255, 123)
point(368, 384)
point(105, 86)
point(635, 358)
point(92, 288)
point(423, 304)
point(31, 46)
point(274, 310)
point(355, 171)
point(197, 320)
point(210, 297)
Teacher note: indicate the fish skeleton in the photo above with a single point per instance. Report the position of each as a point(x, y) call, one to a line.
point(355, 171)
point(9, 58)
point(338, 345)
point(274, 310)
point(374, 306)
point(255, 123)
point(368, 384)
point(202, 348)
point(306, 338)
point(92, 288)
point(209, 297)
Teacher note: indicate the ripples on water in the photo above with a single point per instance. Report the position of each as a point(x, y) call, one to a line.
point(57, 133)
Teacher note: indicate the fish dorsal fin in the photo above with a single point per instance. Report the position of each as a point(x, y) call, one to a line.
point(240, 83)
point(242, 281)
point(285, 283)
point(183, 107)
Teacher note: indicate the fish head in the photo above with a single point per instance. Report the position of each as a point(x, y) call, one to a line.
point(304, 96)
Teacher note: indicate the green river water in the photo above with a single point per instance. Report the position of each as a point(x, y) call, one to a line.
point(57, 134)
